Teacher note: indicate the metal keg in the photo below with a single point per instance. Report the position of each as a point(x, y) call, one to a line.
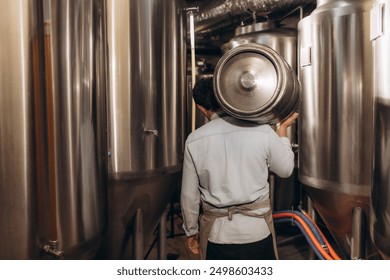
point(253, 82)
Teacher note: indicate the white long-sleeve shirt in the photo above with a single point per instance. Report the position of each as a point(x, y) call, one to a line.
point(226, 162)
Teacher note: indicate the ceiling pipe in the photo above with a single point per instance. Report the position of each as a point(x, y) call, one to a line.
point(221, 13)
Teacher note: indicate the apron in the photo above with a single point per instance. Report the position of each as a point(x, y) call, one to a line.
point(211, 213)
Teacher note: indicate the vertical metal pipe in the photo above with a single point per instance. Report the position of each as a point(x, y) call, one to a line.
point(193, 75)
point(138, 236)
point(313, 214)
point(358, 234)
point(271, 182)
point(162, 237)
point(51, 201)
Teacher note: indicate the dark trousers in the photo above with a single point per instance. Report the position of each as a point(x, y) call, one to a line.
point(260, 250)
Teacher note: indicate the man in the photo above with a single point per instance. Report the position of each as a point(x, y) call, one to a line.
point(225, 173)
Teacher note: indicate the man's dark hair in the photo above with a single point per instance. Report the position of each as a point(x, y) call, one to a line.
point(203, 94)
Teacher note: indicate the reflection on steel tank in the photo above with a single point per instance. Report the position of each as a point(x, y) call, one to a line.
point(51, 180)
point(380, 194)
point(285, 192)
point(270, 33)
point(74, 96)
point(335, 135)
point(18, 165)
point(146, 80)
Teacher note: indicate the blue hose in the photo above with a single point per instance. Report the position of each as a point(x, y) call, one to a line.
point(288, 220)
point(310, 224)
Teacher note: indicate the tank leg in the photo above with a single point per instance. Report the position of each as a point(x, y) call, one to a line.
point(162, 238)
point(271, 182)
point(313, 214)
point(138, 236)
point(358, 234)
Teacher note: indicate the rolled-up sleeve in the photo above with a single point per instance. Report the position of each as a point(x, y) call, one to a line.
point(281, 157)
point(190, 195)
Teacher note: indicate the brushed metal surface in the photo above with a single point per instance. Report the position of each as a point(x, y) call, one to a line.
point(145, 95)
point(335, 121)
point(73, 47)
point(146, 107)
point(270, 33)
point(253, 82)
point(51, 160)
point(19, 56)
point(380, 194)
point(248, 81)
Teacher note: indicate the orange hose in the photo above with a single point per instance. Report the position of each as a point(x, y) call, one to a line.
point(332, 252)
point(307, 229)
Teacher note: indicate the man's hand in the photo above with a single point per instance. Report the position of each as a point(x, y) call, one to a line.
point(282, 130)
point(193, 243)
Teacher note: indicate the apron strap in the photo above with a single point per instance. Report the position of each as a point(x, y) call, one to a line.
point(211, 213)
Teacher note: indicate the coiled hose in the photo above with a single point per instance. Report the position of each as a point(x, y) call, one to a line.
point(310, 230)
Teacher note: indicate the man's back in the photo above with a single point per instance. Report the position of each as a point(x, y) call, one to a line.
point(230, 159)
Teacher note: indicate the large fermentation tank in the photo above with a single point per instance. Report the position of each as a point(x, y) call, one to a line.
point(146, 51)
point(270, 33)
point(283, 39)
point(51, 192)
point(380, 195)
point(335, 135)
point(74, 200)
point(20, 57)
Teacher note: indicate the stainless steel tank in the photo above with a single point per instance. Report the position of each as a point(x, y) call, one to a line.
point(20, 84)
point(75, 198)
point(146, 77)
point(380, 194)
point(51, 180)
point(253, 82)
point(270, 33)
point(285, 192)
point(335, 135)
